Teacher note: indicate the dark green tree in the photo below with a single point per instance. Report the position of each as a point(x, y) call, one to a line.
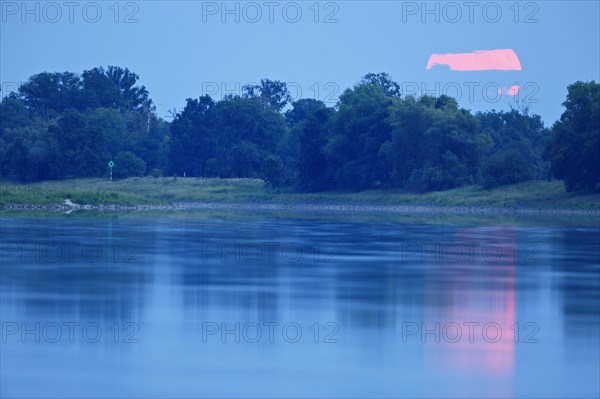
point(127, 164)
point(434, 144)
point(506, 167)
point(82, 151)
point(27, 152)
point(115, 88)
point(359, 130)
point(52, 93)
point(511, 133)
point(314, 132)
point(192, 142)
point(272, 94)
point(246, 135)
point(385, 81)
point(575, 142)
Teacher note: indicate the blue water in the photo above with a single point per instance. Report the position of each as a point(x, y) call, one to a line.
point(276, 307)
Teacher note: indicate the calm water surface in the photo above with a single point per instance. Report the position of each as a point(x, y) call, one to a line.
point(275, 307)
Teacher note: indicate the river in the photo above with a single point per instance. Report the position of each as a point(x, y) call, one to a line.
point(278, 306)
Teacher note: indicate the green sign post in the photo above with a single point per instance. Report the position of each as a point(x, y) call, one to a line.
point(110, 166)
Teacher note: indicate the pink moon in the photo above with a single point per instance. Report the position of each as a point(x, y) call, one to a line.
point(478, 60)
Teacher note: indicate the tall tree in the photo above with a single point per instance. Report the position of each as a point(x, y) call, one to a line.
point(116, 88)
point(575, 143)
point(272, 94)
point(385, 81)
point(83, 150)
point(518, 139)
point(192, 142)
point(51, 92)
point(313, 126)
point(360, 128)
point(434, 145)
point(246, 136)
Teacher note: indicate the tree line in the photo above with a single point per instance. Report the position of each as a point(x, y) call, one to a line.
point(66, 125)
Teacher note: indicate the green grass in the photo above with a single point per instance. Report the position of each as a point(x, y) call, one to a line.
point(534, 194)
point(157, 191)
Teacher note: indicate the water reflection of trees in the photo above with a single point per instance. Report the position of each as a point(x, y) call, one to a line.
point(109, 284)
point(246, 289)
point(576, 259)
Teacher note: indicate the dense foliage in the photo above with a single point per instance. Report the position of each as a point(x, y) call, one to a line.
point(574, 149)
point(61, 125)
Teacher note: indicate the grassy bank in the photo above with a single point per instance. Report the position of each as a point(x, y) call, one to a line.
point(163, 191)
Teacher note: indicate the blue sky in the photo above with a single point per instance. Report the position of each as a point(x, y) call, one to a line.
point(184, 49)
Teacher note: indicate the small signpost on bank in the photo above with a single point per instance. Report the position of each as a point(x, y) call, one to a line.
point(110, 166)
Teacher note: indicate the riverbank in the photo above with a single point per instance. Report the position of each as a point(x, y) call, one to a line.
point(142, 194)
